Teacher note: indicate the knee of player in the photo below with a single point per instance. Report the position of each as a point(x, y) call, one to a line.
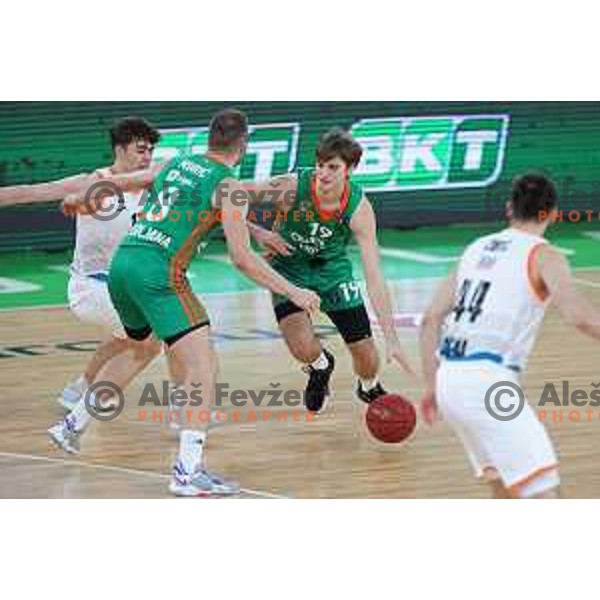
point(306, 351)
point(146, 350)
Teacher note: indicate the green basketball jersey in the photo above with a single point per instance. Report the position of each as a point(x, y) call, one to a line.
point(178, 214)
point(314, 233)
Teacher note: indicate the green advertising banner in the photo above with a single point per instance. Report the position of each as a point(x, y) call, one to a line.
point(424, 163)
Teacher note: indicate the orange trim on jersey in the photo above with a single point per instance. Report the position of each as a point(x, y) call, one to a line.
point(328, 215)
point(175, 282)
point(514, 489)
point(538, 287)
point(184, 254)
point(194, 310)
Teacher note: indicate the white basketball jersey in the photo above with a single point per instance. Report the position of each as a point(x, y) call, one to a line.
point(96, 241)
point(497, 311)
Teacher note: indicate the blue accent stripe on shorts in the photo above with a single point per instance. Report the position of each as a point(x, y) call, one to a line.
point(489, 356)
point(103, 277)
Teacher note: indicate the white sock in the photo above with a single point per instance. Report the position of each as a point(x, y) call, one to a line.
point(191, 447)
point(80, 384)
point(321, 363)
point(80, 415)
point(369, 384)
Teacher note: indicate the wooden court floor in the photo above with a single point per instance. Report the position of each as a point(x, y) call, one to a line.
point(331, 457)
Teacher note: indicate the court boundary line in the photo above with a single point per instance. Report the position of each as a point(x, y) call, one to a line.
point(259, 291)
point(124, 470)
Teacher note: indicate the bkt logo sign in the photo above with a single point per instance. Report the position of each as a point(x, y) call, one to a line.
point(401, 154)
point(431, 153)
point(272, 149)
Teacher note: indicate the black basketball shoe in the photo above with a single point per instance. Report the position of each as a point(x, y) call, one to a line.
point(317, 390)
point(371, 395)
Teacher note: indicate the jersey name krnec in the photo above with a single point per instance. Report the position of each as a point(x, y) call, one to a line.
point(180, 217)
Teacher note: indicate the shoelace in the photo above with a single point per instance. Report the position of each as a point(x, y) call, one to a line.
point(181, 474)
point(69, 425)
point(320, 373)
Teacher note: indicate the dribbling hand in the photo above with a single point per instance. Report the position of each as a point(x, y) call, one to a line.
point(429, 409)
point(395, 354)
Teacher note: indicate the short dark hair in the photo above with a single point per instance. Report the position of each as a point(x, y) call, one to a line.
point(128, 130)
point(228, 129)
point(338, 143)
point(532, 195)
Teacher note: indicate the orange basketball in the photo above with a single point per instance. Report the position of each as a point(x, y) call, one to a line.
point(391, 419)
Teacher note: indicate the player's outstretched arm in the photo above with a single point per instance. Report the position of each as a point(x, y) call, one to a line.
point(430, 335)
point(45, 192)
point(89, 199)
point(247, 261)
point(135, 181)
point(575, 308)
point(364, 226)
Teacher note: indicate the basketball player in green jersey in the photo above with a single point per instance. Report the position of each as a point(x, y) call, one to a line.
point(150, 290)
point(327, 211)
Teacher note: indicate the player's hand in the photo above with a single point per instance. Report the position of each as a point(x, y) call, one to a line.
point(429, 408)
point(395, 354)
point(306, 300)
point(76, 205)
point(88, 200)
point(273, 243)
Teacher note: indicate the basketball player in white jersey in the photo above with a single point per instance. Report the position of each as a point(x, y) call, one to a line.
point(133, 141)
point(479, 332)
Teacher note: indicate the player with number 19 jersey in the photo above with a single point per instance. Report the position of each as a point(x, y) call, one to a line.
point(320, 239)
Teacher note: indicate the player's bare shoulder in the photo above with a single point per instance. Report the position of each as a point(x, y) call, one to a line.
point(230, 192)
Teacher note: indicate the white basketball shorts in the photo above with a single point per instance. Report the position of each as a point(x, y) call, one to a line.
point(514, 444)
point(90, 302)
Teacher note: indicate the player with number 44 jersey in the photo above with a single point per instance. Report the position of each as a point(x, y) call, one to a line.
point(310, 242)
point(477, 336)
